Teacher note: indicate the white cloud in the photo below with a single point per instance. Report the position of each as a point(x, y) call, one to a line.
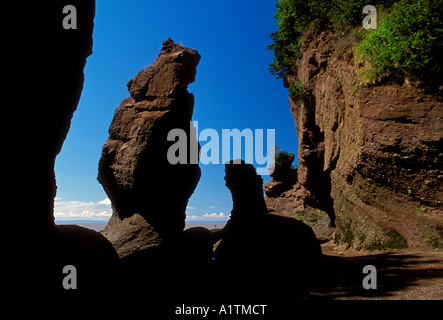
point(220, 215)
point(102, 211)
point(79, 210)
point(212, 207)
point(106, 202)
point(208, 217)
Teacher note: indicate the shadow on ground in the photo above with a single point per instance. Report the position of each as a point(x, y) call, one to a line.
point(342, 276)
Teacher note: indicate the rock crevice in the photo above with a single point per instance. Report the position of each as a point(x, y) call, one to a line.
point(369, 156)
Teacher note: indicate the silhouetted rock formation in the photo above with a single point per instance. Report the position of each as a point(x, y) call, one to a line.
point(134, 169)
point(281, 190)
point(285, 195)
point(43, 66)
point(265, 255)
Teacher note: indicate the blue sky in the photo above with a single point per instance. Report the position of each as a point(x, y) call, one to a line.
point(233, 89)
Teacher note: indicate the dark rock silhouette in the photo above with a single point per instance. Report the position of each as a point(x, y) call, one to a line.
point(50, 60)
point(90, 253)
point(282, 190)
point(196, 247)
point(134, 169)
point(260, 255)
point(172, 273)
point(43, 66)
point(265, 255)
point(285, 195)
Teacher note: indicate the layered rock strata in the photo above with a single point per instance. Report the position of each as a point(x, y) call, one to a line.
point(149, 194)
point(369, 156)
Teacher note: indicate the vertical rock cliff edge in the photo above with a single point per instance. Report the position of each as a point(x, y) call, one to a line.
point(369, 156)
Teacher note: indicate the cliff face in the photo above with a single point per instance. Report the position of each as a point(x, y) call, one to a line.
point(369, 156)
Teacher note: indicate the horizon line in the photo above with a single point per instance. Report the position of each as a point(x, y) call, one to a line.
point(105, 221)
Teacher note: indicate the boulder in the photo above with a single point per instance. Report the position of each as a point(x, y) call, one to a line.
point(283, 178)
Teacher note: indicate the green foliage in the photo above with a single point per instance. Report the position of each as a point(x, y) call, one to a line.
point(281, 156)
point(297, 91)
point(407, 42)
point(346, 13)
point(294, 17)
point(434, 237)
point(395, 241)
point(348, 235)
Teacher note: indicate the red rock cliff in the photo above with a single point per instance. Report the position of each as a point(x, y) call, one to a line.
point(369, 156)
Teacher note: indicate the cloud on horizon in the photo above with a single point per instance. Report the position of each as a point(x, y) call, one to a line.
point(102, 211)
point(79, 210)
point(208, 217)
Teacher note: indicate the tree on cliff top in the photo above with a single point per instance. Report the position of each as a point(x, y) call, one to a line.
point(408, 40)
point(294, 17)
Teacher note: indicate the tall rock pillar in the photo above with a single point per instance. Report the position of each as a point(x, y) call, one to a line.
point(149, 194)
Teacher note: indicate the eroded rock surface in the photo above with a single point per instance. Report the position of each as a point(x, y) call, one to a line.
point(369, 156)
point(285, 195)
point(281, 190)
point(148, 194)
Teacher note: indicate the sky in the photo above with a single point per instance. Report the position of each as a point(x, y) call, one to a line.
point(233, 89)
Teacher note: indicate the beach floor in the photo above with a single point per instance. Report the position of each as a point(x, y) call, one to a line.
point(401, 275)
